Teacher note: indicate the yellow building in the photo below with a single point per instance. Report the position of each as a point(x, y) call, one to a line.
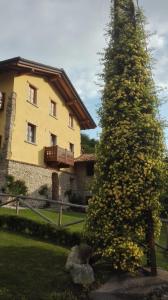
point(41, 116)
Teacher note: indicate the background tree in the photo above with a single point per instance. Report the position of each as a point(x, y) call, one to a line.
point(129, 165)
point(88, 144)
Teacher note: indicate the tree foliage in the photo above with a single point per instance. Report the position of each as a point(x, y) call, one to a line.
point(129, 165)
point(87, 144)
point(15, 187)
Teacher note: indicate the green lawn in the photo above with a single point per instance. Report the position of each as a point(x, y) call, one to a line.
point(53, 215)
point(34, 270)
point(31, 268)
point(162, 256)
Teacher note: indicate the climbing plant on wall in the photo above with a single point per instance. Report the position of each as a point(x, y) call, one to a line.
point(128, 178)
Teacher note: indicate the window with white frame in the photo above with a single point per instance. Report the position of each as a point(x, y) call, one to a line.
point(53, 139)
point(71, 120)
point(53, 108)
point(32, 94)
point(31, 133)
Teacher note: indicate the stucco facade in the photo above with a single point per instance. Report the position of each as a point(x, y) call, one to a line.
point(26, 128)
point(39, 115)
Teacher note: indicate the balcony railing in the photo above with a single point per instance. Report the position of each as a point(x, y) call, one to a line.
point(56, 156)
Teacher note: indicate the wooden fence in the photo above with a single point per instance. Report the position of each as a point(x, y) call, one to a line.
point(58, 206)
point(24, 201)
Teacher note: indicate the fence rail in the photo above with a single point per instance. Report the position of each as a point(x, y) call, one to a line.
point(24, 200)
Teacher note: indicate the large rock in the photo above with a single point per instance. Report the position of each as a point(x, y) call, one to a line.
point(78, 265)
point(134, 287)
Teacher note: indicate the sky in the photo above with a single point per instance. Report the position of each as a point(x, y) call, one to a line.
point(70, 34)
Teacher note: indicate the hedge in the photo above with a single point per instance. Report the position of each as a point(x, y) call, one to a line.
point(47, 232)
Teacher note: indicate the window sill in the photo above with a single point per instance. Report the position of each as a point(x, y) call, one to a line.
point(34, 144)
point(55, 117)
point(32, 103)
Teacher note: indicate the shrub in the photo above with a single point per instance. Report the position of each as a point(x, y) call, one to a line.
point(14, 187)
point(44, 191)
point(75, 199)
point(59, 236)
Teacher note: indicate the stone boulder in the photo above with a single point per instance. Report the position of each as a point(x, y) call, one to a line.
point(78, 265)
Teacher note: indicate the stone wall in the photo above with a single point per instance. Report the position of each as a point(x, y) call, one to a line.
point(83, 181)
point(67, 182)
point(3, 171)
point(35, 177)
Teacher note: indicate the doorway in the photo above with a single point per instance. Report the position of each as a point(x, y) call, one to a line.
point(55, 186)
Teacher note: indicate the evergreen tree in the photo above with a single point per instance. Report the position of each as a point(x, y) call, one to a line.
point(87, 144)
point(129, 165)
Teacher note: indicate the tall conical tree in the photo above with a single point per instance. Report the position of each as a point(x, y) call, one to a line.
point(129, 165)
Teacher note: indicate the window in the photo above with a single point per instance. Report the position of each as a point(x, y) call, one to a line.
point(53, 108)
point(90, 169)
point(53, 140)
point(31, 133)
point(71, 147)
point(32, 95)
point(2, 100)
point(71, 121)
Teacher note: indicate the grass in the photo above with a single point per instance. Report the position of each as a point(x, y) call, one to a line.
point(34, 270)
point(68, 216)
point(31, 269)
point(162, 256)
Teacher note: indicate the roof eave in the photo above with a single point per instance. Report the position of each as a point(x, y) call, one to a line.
point(22, 64)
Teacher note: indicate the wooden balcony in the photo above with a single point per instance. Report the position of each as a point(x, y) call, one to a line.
point(56, 156)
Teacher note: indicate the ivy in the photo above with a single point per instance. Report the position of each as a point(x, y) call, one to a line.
point(129, 170)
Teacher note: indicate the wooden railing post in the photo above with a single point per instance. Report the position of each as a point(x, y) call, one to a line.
point(166, 235)
point(60, 216)
point(25, 201)
point(17, 206)
point(151, 253)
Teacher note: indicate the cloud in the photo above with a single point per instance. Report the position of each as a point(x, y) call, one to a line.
point(62, 32)
point(158, 41)
point(69, 33)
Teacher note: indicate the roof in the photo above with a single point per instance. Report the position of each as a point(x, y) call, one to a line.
point(58, 78)
point(86, 157)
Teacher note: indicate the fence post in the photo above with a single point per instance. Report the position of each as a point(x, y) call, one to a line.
point(166, 235)
point(60, 216)
point(151, 253)
point(17, 206)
